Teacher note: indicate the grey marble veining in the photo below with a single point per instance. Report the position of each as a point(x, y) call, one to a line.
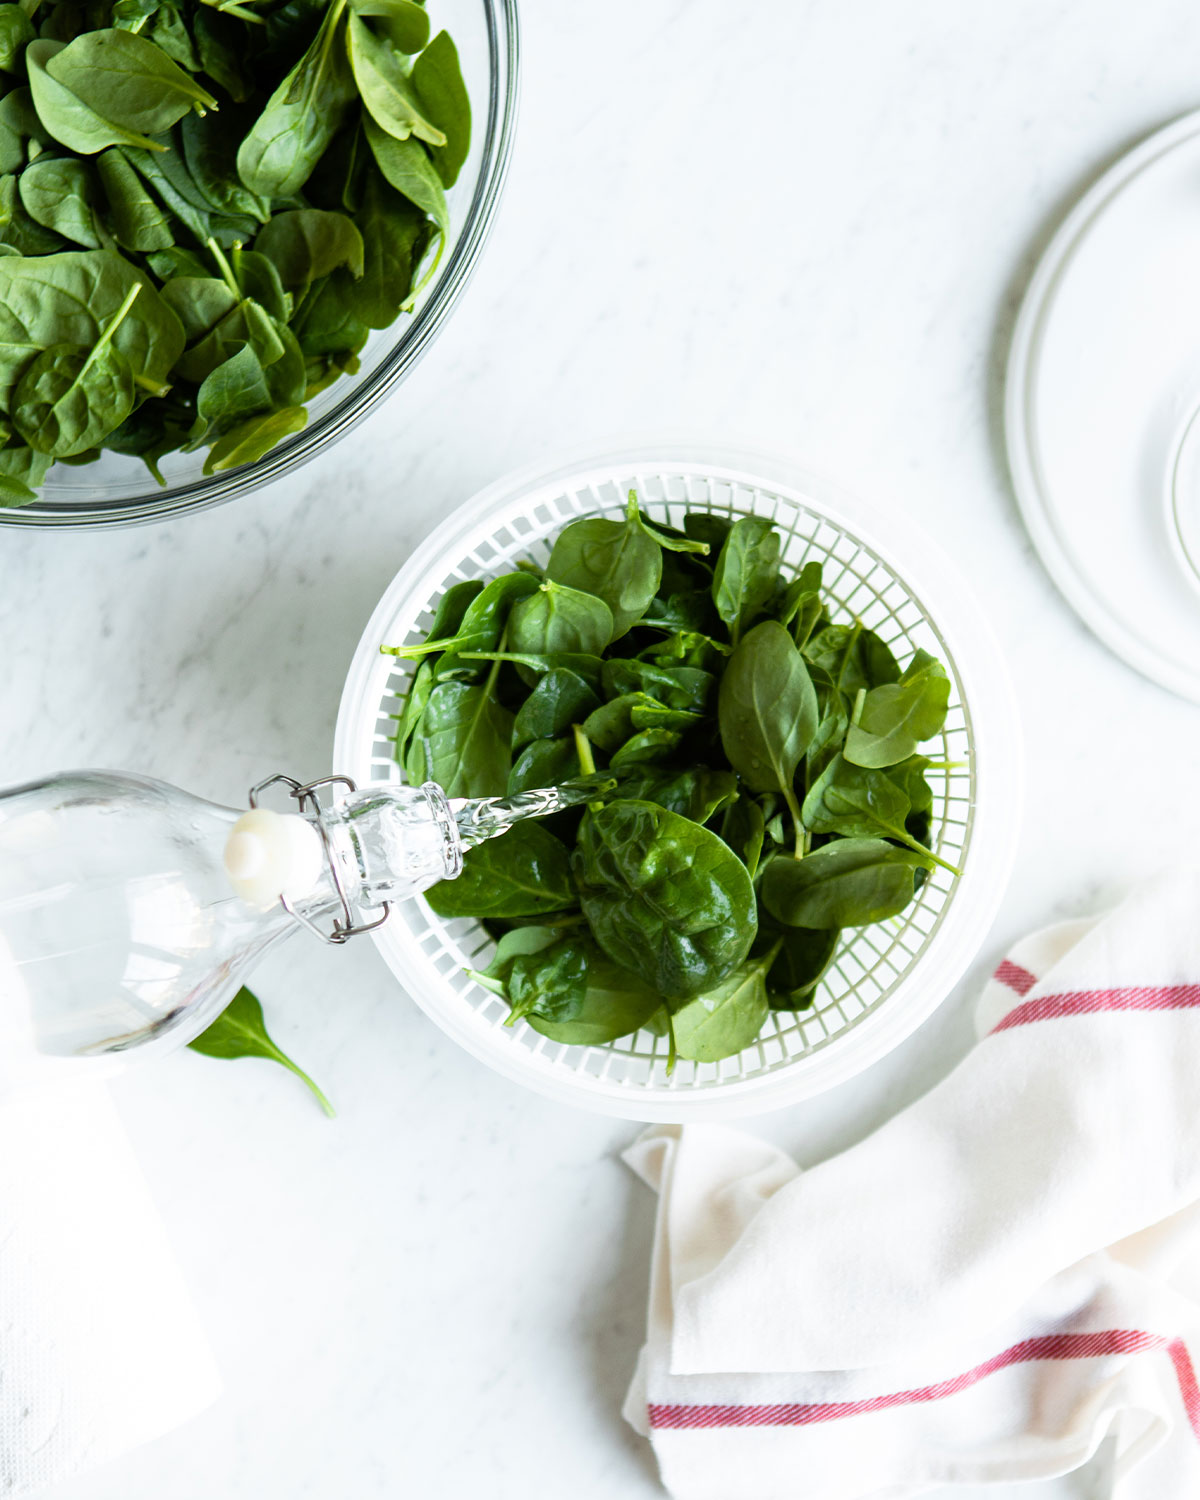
point(805, 226)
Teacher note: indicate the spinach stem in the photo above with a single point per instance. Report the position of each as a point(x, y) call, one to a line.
point(793, 807)
point(672, 1053)
point(583, 748)
point(318, 1094)
point(915, 844)
point(490, 685)
point(859, 699)
point(224, 267)
point(107, 336)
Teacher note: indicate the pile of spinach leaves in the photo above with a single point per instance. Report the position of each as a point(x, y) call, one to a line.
point(205, 207)
point(770, 786)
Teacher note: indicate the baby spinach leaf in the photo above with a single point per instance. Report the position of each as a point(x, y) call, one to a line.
point(707, 527)
point(648, 713)
point(767, 709)
point(804, 954)
point(527, 873)
point(14, 492)
point(721, 1021)
point(615, 1003)
point(69, 399)
point(480, 628)
point(452, 606)
point(176, 261)
point(414, 706)
point(438, 83)
point(831, 731)
point(800, 607)
point(911, 776)
point(169, 31)
point(544, 762)
point(405, 24)
point(560, 698)
point(210, 154)
point(234, 390)
point(743, 828)
point(245, 323)
point(695, 792)
point(127, 79)
point(746, 573)
point(663, 896)
point(647, 746)
point(257, 278)
point(530, 937)
point(217, 42)
point(19, 234)
point(556, 618)
point(309, 243)
point(65, 116)
point(676, 687)
point(552, 982)
point(59, 193)
point(138, 222)
point(848, 883)
point(302, 116)
point(462, 741)
point(610, 725)
point(897, 717)
point(395, 234)
point(385, 88)
point(853, 657)
point(16, 32)
point(326, 322)
point(407, 168)
point(856, 803)
point(200, 303)
point(240, 1031)
point(688, 648)
point(254, 438)
point(617, 561)
point(68, 298)
point(609, 1003)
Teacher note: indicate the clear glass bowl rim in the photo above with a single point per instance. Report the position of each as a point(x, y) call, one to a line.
point(201, 494)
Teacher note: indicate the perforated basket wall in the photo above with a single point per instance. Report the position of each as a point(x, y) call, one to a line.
point(868, 1000)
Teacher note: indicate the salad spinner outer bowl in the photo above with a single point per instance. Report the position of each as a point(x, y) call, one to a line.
point(886, 978)
point(119, 491)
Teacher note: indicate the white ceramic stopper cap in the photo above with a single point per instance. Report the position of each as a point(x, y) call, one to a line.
point(270, 854)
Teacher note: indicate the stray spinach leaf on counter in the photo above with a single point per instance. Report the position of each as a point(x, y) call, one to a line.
point(240, 1031)
point(204, 209)
point(770, 793)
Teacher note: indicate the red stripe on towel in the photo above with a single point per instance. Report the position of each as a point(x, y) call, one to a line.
point(1086, 1002)
point(1015, 977)
point(1050, 1346)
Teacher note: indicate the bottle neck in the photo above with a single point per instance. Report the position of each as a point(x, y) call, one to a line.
point(384, 844)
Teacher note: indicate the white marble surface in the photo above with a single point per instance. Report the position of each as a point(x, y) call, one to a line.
point(799, 225)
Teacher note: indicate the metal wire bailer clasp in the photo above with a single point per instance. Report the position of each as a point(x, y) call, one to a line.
point(308, 801)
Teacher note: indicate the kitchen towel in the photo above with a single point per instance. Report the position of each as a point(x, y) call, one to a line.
point(986, 1288)
point(100, 1349)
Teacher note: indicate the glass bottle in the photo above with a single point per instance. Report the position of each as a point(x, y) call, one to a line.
point(131, 911)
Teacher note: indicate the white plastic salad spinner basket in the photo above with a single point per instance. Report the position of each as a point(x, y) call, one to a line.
point(886, 978)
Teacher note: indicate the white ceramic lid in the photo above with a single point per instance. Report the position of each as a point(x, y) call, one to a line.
point(1103, 386)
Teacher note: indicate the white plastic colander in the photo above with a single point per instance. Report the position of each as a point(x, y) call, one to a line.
point(885, 979)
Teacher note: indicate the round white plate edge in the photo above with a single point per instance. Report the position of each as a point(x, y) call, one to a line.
point(1019, 379)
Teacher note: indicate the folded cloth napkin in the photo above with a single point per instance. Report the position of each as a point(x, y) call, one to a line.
point(986, 1288)
point(100, 1349)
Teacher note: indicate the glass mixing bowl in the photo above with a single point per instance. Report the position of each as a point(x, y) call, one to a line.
point(118, 491)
